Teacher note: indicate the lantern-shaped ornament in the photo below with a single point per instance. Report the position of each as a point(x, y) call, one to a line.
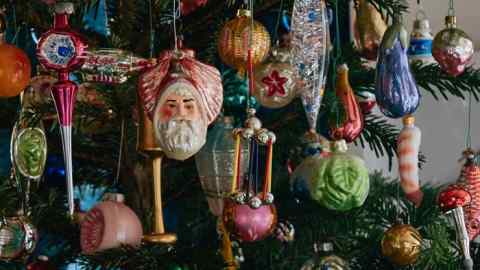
point(110, 224)
point(421, 40)
point(370, 27)
point(402, 244)
point(452, 48)
point(249, 213)
point(351, 125)
point(234, 42)
point(276, 80)
point(451, 201)
point(15, 68)
point(215, 163)
point(310, 52)
point(395, 88)
point(325, 259)
point(18, 237)
point(341, 181)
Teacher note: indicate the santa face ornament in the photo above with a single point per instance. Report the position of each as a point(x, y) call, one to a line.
point(182, 96)
point(179, 126)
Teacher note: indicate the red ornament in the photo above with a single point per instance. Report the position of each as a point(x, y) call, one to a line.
point(471, 178)
point(189, 6)
point(352, 125)
point(275, 83)
point(63, 50)
point(41, 263)
point(249, 224)
point(452, 197)
point(367, 101)
point(14, 70)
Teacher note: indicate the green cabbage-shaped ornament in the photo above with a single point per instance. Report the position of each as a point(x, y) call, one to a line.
point(341, 181)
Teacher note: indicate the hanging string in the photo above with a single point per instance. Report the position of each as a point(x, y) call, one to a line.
point(175, 38)
point(277, 24)
point(337, 52)
point(123, 131)
point(468, 131)
point(251, 83)
point(152, 31)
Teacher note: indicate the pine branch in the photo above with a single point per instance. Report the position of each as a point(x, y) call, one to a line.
point(434, 80)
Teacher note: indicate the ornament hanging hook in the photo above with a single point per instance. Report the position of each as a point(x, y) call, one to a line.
point(174, 11)
point(451, 8)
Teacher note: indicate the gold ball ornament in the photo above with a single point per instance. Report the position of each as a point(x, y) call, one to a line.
point(276, 80)
point(401, 244)
point(234, 42)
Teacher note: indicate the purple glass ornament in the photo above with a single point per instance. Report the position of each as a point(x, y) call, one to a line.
point(395, 88)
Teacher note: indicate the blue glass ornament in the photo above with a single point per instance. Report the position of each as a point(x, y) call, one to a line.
point(395, 88)
point(95, 17)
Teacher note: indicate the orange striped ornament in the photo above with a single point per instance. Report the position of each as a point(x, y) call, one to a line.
point(408, 146)
point(471, 178)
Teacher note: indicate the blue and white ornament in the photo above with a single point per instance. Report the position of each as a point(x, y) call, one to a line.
point(421, 40)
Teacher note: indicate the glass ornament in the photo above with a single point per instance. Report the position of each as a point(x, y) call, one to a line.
point(215, 163)
point(452, 48)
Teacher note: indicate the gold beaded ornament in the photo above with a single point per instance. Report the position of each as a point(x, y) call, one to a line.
point(234, 42)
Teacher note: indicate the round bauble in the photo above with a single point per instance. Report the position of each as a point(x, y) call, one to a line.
point(301, 178)
point(233, 42)
point(452, 48)
point(17, 237)
point(331, 262)
point(15, 70)
point(325, 259)
point(108, 225)
point(249, 224)
point(341, 181)
point(402, 244)
point(276, 80)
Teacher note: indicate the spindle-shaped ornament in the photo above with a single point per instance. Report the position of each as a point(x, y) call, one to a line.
point(61, 49)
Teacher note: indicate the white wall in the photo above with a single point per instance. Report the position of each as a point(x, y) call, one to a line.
point(442, 122)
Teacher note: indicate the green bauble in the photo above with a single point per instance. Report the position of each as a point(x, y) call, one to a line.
point(341, 181)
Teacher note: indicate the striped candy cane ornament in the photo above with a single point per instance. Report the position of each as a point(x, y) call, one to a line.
point(408, 146)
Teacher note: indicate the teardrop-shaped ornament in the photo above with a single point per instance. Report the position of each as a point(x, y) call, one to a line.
point(395, 88)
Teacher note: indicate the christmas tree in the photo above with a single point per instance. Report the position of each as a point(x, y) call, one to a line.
point(269, 97)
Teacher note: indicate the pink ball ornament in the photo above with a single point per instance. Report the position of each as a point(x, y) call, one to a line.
point(452, 48)
point(109, 224)
point(249, 224)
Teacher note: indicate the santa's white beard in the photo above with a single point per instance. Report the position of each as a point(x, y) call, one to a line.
point(181, 139)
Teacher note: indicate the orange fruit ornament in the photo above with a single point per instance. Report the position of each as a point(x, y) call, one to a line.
point(15, 70)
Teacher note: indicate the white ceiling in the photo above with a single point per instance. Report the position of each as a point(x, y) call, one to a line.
point(467, 12)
